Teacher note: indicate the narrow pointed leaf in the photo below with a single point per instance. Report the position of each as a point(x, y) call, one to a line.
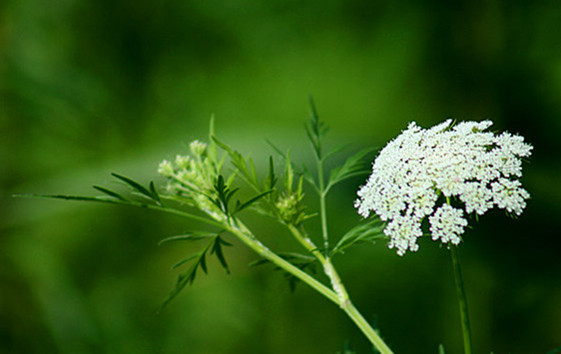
point(353, 166)
point(110, 193)
point(185, 260)
point(277, 150)
point(251, 170)
point(230, 193)
point(224, 242)
point(75, 198)
point(251, 201)
point(183, 279)
point(366, 232)
point(155, 194)
point(308, 177)
point(288, 175)
point(187, 237)
point(315, 129)
point(270, 180)
point(239, 162)
point(335, 150)
point(221, 144)
point(109, 200)
point(202, 262)
point(217, 249)
point(259, 262)
point(134, 185)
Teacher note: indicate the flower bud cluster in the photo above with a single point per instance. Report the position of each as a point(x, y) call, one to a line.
point(416, 175)
point(192, 176)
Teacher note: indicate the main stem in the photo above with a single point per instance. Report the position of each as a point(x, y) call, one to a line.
point(339, 289)
point(245, 235)
point(365, 327)
point(462, 301)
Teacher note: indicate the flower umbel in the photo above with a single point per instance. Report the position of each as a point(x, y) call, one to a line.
point(421, 170)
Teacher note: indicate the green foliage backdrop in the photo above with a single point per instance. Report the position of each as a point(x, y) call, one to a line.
point(91, 87)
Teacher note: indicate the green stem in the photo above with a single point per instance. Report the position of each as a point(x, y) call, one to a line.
point(238, 229)
point(322, 206)
point(179, 213)
point(342, 296)
point(462, 301)
point(305, 241)
point(368, 331)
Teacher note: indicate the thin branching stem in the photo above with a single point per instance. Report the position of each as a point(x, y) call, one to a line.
point(246, 236)
point(323, 208)
point(306, 242)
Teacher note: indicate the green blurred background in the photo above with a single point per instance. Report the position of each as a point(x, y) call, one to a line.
point(92, 87)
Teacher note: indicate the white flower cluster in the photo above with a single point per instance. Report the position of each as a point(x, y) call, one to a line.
point(418, 173)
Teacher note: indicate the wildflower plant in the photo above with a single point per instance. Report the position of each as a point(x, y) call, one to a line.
point(203, 185)
point(431, 177)
point(443, 174)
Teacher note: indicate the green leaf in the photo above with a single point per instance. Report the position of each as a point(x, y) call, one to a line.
point(259, 262)
point(75, 198)
point(211, 150)
point(224, 242)
point(111, 200)
point(202, 262)
point(115, 197)
point(288, 175)
point(299, 171)
point(252, 170)
point(110, 193)
point(183, 279)
point(241, 207)
point(277, 150)
point(184, 260)
point(353, 166)
point(247, 173)
point(270, 180)
point(137, 186)
point(155, 193)
point(310, 179)
point(217, 249)
point(441, 349)
point(335, 150)
point(195, 236)
point(224, 194)
point(199, 261)
point(315, 129)
point(370, 231)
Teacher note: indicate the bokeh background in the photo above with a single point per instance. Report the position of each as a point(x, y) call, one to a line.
point(93, 87)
